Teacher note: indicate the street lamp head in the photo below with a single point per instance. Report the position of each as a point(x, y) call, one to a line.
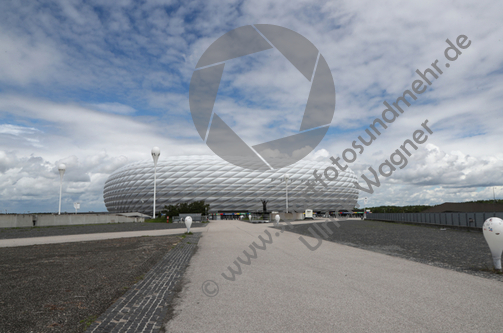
point(61, 169)
point(155, 154)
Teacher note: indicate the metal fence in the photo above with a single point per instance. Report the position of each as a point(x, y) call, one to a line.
point(448, 219)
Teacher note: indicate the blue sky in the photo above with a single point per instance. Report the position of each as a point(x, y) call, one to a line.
point(96, 86)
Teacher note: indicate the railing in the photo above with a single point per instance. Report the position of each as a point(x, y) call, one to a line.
point(475, 220)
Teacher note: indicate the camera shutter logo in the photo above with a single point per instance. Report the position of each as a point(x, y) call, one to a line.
point(205, 82)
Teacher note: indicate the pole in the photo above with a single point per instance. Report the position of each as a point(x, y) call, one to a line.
point(61, 169)
point(286, 192)
point(155, 155)
point(155, 181)
point(60, 191)
point(287, 197)
point(365, 208)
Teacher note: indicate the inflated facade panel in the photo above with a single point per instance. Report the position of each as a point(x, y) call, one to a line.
point(225, 187)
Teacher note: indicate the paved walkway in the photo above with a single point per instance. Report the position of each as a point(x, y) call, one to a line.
point(144, 306)
point(335, 288)
point(91, 237)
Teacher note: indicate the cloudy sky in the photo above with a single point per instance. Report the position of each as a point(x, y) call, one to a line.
point(96, 86)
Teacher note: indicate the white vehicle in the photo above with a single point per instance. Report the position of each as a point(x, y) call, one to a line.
point(308, 214)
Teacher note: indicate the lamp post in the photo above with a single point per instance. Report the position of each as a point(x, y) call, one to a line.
point(155, 155)
point(365, 208)
point(61, 169)
point(286, 177)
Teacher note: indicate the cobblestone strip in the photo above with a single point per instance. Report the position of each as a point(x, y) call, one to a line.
point(144, 306)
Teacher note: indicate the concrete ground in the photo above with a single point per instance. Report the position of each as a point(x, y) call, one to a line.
point(91, 237)
point(335, 288)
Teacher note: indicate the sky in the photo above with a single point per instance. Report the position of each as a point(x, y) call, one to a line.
point(96, 85)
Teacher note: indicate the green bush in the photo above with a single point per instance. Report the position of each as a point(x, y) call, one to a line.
point(157, 220)
point(398, 209)
point(196, 207)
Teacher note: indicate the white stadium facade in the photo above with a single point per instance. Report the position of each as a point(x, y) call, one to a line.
point(227, 188)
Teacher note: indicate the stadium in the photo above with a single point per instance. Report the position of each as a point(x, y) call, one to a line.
point(227, 188)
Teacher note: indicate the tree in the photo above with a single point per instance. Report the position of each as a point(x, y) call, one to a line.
point(196, 207)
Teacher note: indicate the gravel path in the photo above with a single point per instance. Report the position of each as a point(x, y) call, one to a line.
point(454, 249)
point(9, 233)
point(65, 287)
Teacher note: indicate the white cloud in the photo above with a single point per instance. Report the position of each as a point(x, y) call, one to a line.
point(16, 130)
point(117, 108)
point(24, 61)
point(97, 85)
point(321, 154)
point(30, 179)
point(433, 176)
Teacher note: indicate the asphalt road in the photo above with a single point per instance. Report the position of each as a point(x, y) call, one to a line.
point(286, 287)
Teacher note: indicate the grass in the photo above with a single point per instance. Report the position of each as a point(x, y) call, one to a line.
point(490, 270)
point(88, 321)
point(139, 278)
point(185, 235)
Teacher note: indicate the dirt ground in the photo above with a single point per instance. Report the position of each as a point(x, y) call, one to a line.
point(65, 287)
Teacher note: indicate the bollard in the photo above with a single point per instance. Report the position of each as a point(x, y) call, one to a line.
point(277, 218)
point(188, 223)
point(493, 233)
